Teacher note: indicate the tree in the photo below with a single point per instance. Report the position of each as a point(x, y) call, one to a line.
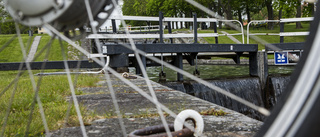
point(226, 6)
point(254, 7)
point(239, 7)
point(6, 26)
point(134, 8)
point(308, 9)
point(270, 13)
point(298, 15)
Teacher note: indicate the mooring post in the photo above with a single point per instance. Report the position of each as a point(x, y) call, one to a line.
point(195, 32)
point(281, 30)
point(263, 68)
point(162, 74)
point(215, 31)
point(253, 63)
point(196, 72)
point(258, 64)
point(195, 26)
point(161, 26)
point(178, 63)
point(170, 30)
point(114, 26)
point(119, 62)
point(138, 69)
point(30, 32)
point(236, 59)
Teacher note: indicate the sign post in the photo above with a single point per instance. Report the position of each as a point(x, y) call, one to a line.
point(281, 58)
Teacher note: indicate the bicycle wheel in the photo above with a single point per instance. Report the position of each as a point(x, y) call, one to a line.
point(297, 112)
point(61, 23)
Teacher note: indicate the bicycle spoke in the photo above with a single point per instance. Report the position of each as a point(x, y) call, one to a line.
point(218, 89)
point(70, 103)
point(32, 78)
point(106, 68)
point(71, 86)
point(213, 14)
point(8, 42)
point(21, 72)
point(36, 94)
point(112, 93)
point(144, 73)
point(15, 81)
point(66, 119)
point(8, 109)
point(57, 26)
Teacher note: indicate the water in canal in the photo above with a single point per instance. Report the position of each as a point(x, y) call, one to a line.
point(214, 71)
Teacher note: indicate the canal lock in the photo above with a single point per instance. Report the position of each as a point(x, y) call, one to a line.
point(248, 88)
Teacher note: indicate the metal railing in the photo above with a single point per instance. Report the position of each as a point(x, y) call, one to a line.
point(241, 27)
point(167, 19)
point(282, 33)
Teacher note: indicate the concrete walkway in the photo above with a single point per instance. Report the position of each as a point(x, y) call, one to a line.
point(232, 38)
point(34, 48)
point(135, 107)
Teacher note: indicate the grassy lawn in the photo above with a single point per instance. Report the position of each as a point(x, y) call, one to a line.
point(12, 53)
point(270, 39)
point(53, 93)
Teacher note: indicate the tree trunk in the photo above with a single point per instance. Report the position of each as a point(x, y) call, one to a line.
point(270, 13)
point(228, 13)
point(240, 16)
point(280, 13)
point(298, 15)
point(220, 13)
point(248, 12)
point(312, 8)
point(216, 9)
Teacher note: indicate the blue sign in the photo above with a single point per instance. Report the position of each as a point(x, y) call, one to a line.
point(281, 58)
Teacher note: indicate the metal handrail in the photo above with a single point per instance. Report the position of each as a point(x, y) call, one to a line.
point(248, 26)
point(241, 26)
point(281, 21)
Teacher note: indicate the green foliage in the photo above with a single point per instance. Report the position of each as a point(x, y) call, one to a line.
point(134, 8)
point(232, 9)
point(7, 25)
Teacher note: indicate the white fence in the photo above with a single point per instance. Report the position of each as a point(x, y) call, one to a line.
point(207, 20)
point(281, 33)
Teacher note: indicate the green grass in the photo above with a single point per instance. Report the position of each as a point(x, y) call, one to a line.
point(270, 39)
point(53, 93)
point(53, 90)
point(13, 53)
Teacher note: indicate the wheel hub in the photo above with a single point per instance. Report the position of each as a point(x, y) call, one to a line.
point(64, 15)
